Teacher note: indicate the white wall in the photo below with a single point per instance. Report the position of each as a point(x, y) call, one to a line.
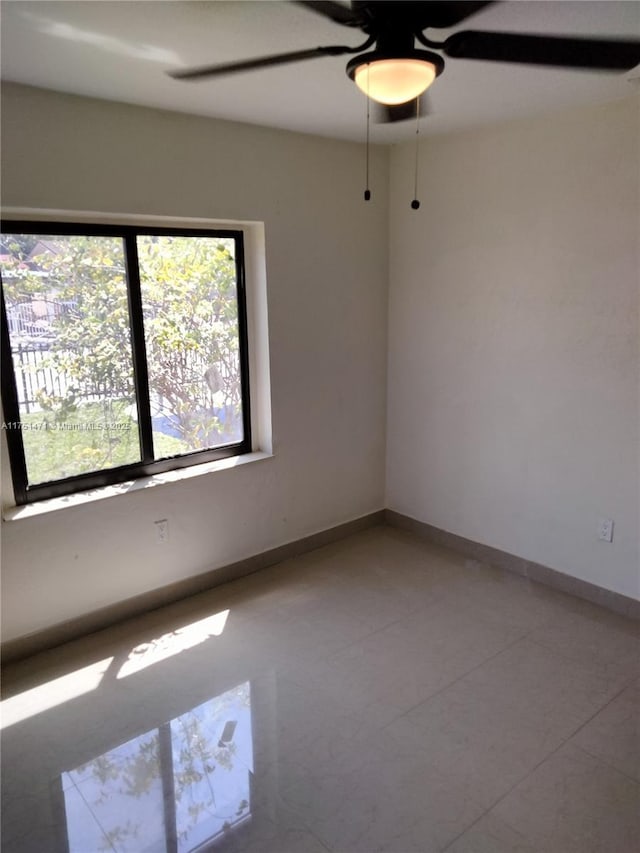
point(513, 339)
point(327, 302)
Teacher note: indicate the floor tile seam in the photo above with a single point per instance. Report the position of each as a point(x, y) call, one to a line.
point(366, 636)
point(317, 838)
point(533, 769)
point(529, 844)
point(450, 684)
point(302, 822)
point(628, 680)
point(605, 619)
point(508, 792)
point(466, 829)
point(606, 761)
point(539, 764)
point(560, 618)
point(354, 642)
point(629, 633)
point(543, 619)
point(508, 823)
point(306, 824)
point(600, 710)
point(487, 618)
point(362, 639)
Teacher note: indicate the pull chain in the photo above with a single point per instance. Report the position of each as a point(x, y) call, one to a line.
point(367, 192)
point(415, 204)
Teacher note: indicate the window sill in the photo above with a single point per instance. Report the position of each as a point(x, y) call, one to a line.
point(17, 513)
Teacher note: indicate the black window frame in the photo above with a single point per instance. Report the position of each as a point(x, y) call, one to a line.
point(25, 493)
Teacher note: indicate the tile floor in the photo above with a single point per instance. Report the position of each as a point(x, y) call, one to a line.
point(379, 694)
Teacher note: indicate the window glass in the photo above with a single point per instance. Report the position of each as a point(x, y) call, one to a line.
point(190, 308)
point(68, 324)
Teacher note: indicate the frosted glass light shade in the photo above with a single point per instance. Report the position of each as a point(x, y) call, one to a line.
point(395, 81)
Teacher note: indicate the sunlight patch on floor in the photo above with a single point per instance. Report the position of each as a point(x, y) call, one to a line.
point(173, 643)
point(45, 696)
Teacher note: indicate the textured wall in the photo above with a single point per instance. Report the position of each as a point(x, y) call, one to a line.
point(513, 339)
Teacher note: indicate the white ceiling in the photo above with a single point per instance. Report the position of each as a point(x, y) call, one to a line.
point(120, 50)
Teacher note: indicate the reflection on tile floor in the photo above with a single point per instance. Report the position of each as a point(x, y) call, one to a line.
point(162, 786)
point(379, 694)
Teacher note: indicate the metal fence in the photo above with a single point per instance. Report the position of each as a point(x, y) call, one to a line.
point(37, 371)
point(33, 319)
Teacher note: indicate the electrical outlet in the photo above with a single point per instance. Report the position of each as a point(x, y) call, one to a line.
point(162, 531)
point(605, 529)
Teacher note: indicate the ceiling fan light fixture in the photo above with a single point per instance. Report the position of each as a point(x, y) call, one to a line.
point(395, 79)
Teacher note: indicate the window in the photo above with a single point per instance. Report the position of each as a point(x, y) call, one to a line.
point(124, 352)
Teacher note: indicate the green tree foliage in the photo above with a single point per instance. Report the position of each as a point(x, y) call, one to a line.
point(191, 327)
point(190, 319)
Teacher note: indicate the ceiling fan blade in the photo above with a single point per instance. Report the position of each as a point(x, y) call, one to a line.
point(259, 62)
point(560, 51)
point(376, 16)
point(448, 13)
point(334, 11)
point(391, 113)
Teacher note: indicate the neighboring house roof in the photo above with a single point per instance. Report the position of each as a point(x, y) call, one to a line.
point(43, 246)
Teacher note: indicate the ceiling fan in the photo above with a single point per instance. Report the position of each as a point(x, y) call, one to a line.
point(396, 74)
